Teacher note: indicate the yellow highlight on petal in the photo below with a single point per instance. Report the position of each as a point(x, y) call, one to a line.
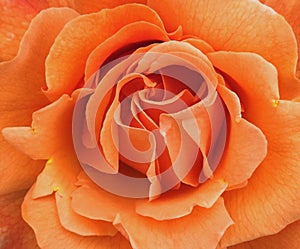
point(275, 102)
point(56, 189)
point(50, 160)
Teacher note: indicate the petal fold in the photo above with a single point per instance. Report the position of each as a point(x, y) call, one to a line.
point(255, 208)
point(50, 233)
point(235, 26)
point(18, 103)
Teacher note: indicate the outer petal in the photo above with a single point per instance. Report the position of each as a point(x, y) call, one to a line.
point(15, 16)
point(17, 102)
point(288, 238)
point(182, 201)
point(246, 145)
point(42, 216)
point(60, 175)
point(290, 10)
point(271, 199)
point(133, 33)
point(90, 6)
point(14, 232)
point(50, 131)
point(67, 58)
point(235, 26)
point(52, 138)
point(201, 229)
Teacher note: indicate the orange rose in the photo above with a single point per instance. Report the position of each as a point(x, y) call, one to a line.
point(165, 125)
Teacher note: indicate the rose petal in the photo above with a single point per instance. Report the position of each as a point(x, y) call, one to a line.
point(203, 46)
point(201, 229)
point(50, 131)
point(193, 231)
point(290, 10)
point(289, 238)
point(246, 144)
point(66, 61)
point(255, 208)
point(84, 7)
point(18, 103)
point(235, 26)
point(60, 175)
point(62, 168)
point(15, 17)
point(92, 207)
point(13, 230)
point(130, 34)
point(42, 216)
point(182, 201)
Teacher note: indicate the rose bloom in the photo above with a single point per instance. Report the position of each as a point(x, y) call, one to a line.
point(197, 100)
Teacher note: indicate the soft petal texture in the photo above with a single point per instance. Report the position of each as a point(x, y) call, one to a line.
point(290, 10)
point(18, 103)
point(42, 216)
point(270, 201)
point(130, 34)
point(235, 26)
point(67, 58)
point(15, 17)
point(60, 172)
point(201, 229)
point(60, 176)
point(182, 202)
point(45, 137)
point(288, 238)
point(83, 6)
point(246, 145)
point(14, 232)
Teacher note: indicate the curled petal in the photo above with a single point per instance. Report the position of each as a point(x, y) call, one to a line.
point(66, 61)
point(192, 231)
point(50, 131)
point(246, 147)
point(130, 34)
point(41, 214)
point(203, 228)
point(18, 104)
point(236, 26)
point(258, 213)
point(182, 202)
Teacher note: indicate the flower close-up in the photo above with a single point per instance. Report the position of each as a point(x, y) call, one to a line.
point(149, 124)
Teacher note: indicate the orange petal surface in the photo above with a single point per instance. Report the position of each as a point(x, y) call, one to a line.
point(50, 131)
point(235, 26)
point(66, 61)
point(18, 103)
point(201, 229)
point(60, 176)
point(90, 6)
point(187, 232)
point(255, 208)
point(130, 34)
point(290, 10)
point(14, 231)
point(42, 216)
point(15, 17)
point(246, 145)
point(182, 201)
point(289, 238)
